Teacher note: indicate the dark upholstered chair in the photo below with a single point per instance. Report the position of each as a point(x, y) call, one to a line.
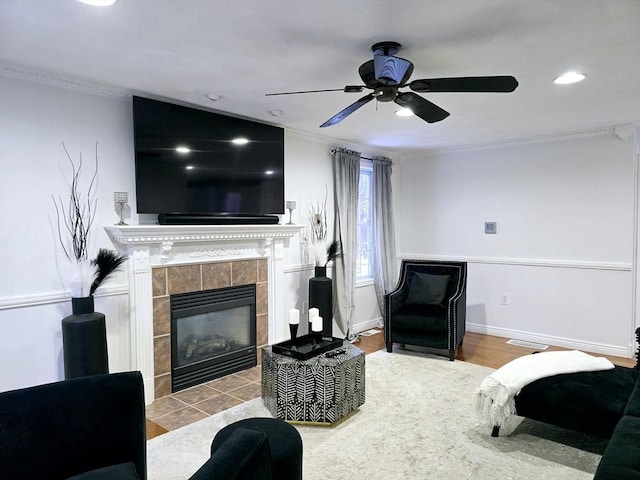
point(428, 306)
point(94, 428)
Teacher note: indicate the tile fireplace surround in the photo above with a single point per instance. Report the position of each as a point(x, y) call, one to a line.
point(166, 259)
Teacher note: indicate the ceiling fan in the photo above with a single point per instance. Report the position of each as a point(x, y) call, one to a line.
point(386, 74)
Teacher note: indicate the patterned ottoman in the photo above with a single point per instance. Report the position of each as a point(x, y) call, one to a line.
point(322, 389)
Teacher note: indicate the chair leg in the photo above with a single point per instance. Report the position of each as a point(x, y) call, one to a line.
point(389, 346)
point(452, 355)
point(496, 431)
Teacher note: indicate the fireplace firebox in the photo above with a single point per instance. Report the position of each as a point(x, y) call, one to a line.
point(213, 334)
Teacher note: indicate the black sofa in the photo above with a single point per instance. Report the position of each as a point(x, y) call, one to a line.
point(621, 458)
point(604, 403)
point(94, 428)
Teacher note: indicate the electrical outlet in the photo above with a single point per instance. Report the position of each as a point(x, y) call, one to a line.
point(504, 299)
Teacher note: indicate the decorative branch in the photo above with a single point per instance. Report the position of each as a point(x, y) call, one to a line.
point(318, 220)
point(74, 220)
point(79, 214)
point(322, 253)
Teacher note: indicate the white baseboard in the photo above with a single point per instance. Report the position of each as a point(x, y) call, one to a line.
point(615, 350)
point(363, 326)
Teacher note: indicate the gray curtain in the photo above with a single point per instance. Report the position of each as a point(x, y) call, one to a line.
point(346, 177)
point(384, 243)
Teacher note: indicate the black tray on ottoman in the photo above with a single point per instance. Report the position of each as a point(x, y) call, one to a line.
point(307, 346)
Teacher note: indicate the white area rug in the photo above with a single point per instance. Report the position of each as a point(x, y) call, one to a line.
point(417, 423)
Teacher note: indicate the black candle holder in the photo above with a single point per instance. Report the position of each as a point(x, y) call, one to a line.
point(293, 328)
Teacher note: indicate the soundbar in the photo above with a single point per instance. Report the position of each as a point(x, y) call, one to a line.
point(216, 219)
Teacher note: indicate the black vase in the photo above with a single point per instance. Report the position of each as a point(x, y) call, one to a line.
point(84, 340)
point(321, 297)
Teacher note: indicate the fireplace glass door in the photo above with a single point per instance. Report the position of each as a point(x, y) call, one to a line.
point(213, 333)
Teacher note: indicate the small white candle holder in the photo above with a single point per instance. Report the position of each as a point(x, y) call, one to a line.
point(291, 206)
point(121, 199)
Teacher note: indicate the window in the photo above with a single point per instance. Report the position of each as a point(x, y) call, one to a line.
point(364, 267)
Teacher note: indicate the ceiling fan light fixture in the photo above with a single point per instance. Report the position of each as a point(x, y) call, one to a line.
point(569, 78)
point(404, 112)
point(390, 70)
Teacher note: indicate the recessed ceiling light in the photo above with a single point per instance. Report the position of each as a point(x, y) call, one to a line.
point(98, 3)
point(569, 77)
point(189, 167)
point(276, 113)
point(182, 149)
point(269, 172)
point(239, 141)
point(214, 97)
point(404, 112)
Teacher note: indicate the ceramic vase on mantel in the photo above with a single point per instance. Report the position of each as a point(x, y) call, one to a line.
point(321, 297)
point(84, 340)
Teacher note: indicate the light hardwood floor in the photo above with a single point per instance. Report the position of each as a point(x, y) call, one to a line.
point(186, 407)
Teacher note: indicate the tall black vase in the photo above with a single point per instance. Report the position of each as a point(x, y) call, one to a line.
point(84, 340)
point(321, 297)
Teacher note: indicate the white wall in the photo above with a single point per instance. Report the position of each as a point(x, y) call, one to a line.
point(34, 119)
point(309, 177)
point(564, 248)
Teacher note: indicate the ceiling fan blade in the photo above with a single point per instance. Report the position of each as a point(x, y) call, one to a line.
point(348, 111)
point(427, 111)
point(347, 89)
point(465, 84)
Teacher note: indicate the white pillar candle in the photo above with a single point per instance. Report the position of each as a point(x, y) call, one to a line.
point(316, 325)
point(313, 312)
point(294, 316)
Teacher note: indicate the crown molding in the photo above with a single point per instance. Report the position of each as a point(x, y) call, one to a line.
point(62, 81)
point(552, 137)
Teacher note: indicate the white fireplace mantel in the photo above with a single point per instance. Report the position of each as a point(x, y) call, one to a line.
point(149, 246)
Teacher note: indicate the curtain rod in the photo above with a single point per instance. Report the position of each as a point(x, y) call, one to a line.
point(333, 150)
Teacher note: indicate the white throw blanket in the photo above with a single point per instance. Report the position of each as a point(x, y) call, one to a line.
point(494, 401)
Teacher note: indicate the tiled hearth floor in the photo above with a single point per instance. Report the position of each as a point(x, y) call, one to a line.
point(195, 403)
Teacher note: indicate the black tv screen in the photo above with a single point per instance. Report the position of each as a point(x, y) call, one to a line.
point(195, 162)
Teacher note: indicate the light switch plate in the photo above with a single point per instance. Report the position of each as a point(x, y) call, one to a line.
point(490, 228)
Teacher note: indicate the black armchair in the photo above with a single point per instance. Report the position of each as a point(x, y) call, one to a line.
point(94, 427)
point(428, 306)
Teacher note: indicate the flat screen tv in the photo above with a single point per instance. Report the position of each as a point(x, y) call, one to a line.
point(197, 166)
